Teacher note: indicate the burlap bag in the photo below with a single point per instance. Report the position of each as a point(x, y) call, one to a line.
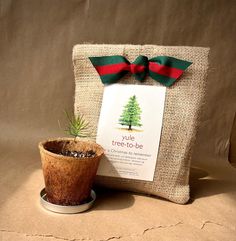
point(181, 114)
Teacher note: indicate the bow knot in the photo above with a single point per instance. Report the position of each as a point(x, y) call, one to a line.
point(139, 68)
point(163, 69)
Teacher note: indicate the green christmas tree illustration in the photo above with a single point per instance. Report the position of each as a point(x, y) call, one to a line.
point(131, 115)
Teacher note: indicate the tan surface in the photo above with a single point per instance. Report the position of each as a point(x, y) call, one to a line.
point(36, 84)
point(117, 215)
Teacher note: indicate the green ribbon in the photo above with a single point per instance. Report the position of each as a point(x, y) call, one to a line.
point(163, 69)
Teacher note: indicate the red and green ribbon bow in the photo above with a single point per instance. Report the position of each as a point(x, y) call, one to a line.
point(163, 69)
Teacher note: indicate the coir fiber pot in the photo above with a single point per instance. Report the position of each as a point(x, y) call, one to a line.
point(68, 180)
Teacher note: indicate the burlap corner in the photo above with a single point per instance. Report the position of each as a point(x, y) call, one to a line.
point(181, 114)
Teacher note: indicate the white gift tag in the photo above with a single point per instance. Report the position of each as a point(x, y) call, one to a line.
point(129, 130)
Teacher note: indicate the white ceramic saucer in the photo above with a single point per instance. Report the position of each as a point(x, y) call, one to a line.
point(65, 209)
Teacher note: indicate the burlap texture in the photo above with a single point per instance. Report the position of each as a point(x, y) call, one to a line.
point(181, 114)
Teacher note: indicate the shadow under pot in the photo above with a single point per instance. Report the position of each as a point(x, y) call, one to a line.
point(69, 169)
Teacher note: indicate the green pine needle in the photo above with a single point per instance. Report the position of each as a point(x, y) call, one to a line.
point(78, 126)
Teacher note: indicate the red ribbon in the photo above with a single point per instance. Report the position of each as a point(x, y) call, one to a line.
point(163, 69)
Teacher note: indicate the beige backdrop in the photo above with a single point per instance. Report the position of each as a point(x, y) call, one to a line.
point(36, 40)
point(37, 84)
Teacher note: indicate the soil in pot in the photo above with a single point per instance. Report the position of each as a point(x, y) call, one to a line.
point(77, 154)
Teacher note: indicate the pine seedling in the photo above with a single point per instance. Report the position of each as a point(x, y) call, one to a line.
point(78, 127)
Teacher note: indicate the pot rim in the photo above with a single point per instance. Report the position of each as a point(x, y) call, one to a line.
point(41, 148)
